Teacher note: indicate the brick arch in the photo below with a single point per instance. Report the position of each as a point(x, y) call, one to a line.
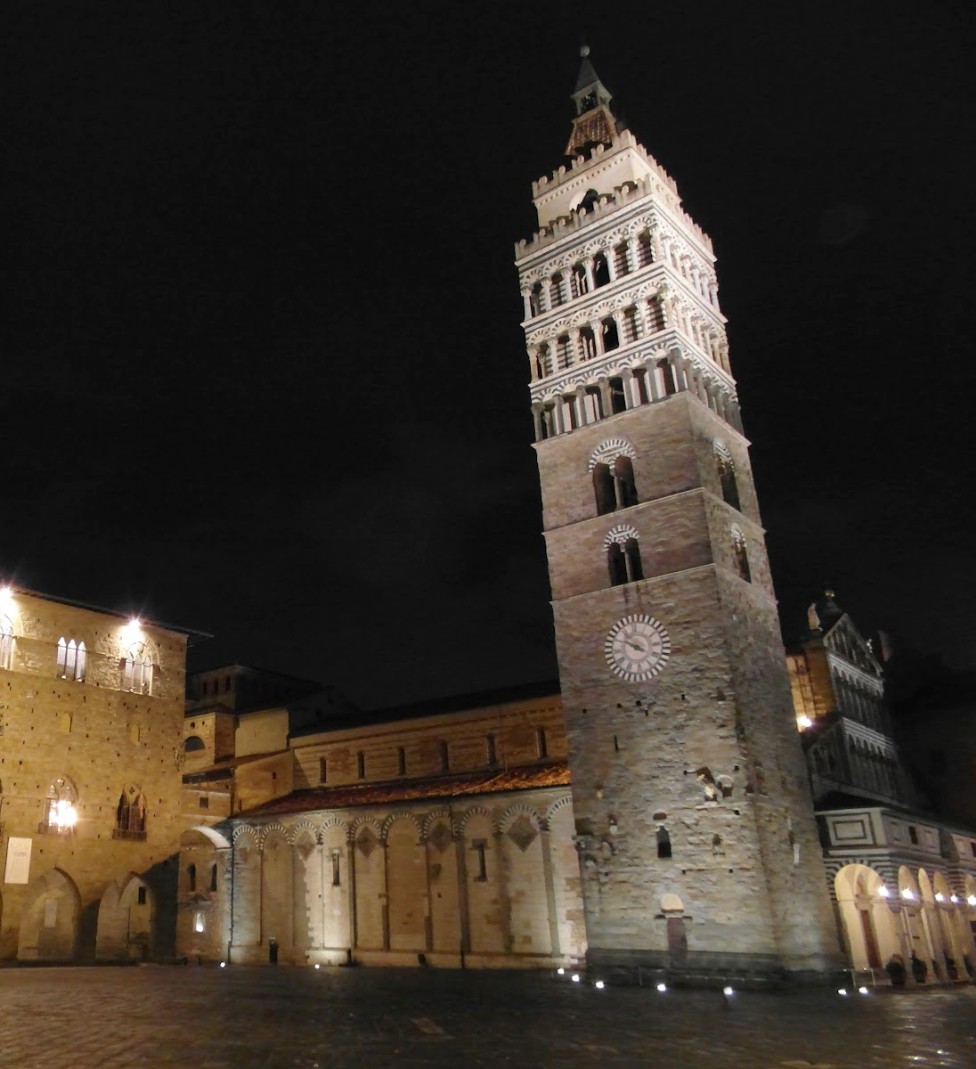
point(474, 811)
point(516, 810)
point(609, 450)
point(433, 816)
point(246, 835)
point(272, 831)
point(557, 805)
point(362, 821)
point(304, 827)
point(620, 534)
point(396, 815)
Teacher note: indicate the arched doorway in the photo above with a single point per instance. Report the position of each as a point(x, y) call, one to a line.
point(49, 928)
point(868, 924)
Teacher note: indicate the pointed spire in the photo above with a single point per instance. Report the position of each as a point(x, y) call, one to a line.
point(594, 123)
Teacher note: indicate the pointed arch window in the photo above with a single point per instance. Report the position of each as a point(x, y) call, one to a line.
point(726, 475)
point(72, 658)
point(6, 641)
point(60, 808)
point(130, 815)
point(741, 554)
point(137, 670)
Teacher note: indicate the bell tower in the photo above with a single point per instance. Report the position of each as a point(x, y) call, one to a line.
point(695, 828)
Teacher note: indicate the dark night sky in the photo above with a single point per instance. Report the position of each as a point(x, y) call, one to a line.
point(263, 373)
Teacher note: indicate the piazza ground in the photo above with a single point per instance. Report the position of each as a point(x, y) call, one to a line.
point(237, 1018)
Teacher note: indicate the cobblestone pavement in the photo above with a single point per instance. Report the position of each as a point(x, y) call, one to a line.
point(273, 1018)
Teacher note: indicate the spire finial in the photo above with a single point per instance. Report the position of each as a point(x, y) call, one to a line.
point(584, 51)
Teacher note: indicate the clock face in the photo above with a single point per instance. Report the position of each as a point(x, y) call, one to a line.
point(637, 647)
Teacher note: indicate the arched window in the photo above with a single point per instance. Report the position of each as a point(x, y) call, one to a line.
point(741, 554)
point(645, 250)
point(556, 289)
point(137, 671)
point(564, 352)
point(587, 343)
point(535, 300)
point(621, 262)
point(194, 744)
point(655, 315)
point(623, 477)
point(601, 270)
point(666, 371)
point(623, 556)
point(130, 815)
point(606, 500)
point(618, 399)
point(611, 339)
point(543, 363)
point(613, 476)
point(71, 659)
point(726, 474)
point(663, 843)
point(631, 325)
point(60, 808)
point(6, 641)
point(578, 281)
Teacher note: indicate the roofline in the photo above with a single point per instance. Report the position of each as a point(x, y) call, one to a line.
point(119, 613)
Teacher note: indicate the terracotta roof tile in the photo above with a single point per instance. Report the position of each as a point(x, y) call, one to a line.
point(531, 777)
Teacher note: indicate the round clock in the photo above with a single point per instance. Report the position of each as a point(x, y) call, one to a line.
point(637, 647)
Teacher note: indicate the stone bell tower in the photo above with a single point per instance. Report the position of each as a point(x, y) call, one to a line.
point(695, 827)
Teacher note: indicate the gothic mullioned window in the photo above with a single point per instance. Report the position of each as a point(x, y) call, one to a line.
point(137, 670)
point(71, 659)
point(60, 810)
point(130, 815)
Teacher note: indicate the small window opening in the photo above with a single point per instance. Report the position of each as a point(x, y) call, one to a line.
point(479, 846)
point(141, 896)
point(213, 877)
point(663, 843)
point(490, 753)
point(361, 765)
point(541, 744)
point(401, 761)
point(191, 879)
point(323, 770)
point(445, 756)
point(336, 876)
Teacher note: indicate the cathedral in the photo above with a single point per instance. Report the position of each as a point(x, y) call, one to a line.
point(687, 801)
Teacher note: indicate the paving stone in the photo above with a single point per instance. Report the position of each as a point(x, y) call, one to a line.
point(291, 1018)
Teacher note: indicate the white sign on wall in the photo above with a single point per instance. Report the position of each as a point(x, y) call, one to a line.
point(17, 869)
